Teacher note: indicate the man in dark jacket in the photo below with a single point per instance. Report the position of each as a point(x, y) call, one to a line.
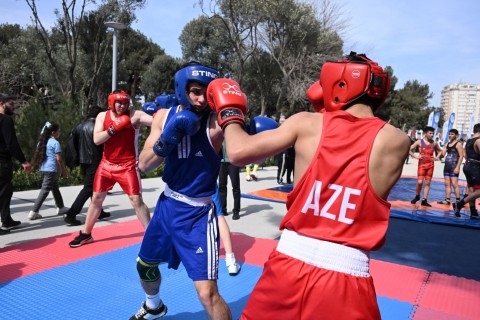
point(8, 147)
point(89, 157)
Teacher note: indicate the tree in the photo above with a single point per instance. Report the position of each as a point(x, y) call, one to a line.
point(410, 105)
point(205, 40)
point(294, 37)
point(158, 77)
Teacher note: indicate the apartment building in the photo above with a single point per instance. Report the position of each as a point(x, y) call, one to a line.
point(464, 100)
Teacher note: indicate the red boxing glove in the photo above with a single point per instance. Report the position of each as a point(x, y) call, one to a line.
point(121, 123)
point(225, 97)
point(315, 95)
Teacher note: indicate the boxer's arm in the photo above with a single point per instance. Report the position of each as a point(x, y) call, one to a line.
point(244, 149)
point(143, 118)
point(148, 160)
point(100, 135)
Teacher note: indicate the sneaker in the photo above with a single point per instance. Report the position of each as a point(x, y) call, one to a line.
point(414, 200)
point(147, 314)
point(236, 215)
point(233, 269)
point(446, 201)
point(425, 203)
point(62, 211)
point(248, 178)
point(10, 225)
point(71, 221)
point(32, 215)
point(474, 216)
point(4, 231)
point(280, 181)
point(80, 240)
point(254, 176)
point(103, 215)
point(457, 206)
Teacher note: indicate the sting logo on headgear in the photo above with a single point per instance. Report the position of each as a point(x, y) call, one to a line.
point(231, 89)
point(345, 82)
point(192, 72)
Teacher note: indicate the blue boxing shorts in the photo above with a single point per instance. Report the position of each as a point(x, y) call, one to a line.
point(183, 232)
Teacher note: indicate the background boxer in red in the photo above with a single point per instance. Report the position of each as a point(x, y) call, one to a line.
point(117, 129)
point(337, 211)
point(426, 164)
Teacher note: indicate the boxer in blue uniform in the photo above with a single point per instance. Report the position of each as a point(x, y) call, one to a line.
point(184, 227)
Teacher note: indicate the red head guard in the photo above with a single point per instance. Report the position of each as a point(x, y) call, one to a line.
point(345, 82)
point(118, 95)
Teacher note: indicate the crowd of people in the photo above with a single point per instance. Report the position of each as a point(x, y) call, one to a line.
point(339, 196)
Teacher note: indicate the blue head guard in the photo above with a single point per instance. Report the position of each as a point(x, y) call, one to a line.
point(166, 100)
point(192, 72)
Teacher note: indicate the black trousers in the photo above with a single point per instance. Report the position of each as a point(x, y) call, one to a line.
point(88, 171)
point(229, 170)
point(6, 190)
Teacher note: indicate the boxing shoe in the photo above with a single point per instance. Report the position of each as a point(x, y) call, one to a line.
point(457, 206)
point(146, 314)
point(415, 200)
point(248, 178)
point(254, 176)
point(232, 265)
point(425, 203)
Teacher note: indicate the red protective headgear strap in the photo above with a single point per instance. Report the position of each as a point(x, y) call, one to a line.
point(347, 81)
point(118, 95)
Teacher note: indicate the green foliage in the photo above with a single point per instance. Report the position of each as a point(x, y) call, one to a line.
point(33, 180)
point(410, 105)
point(158, 77)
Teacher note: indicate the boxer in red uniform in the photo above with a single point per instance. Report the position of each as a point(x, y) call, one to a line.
point(426, 164)
point(337, 211)
point(117, 129)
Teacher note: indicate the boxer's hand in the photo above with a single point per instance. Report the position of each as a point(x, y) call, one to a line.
point(118, 125)
point(225, 97)
point(150, 108)
point(262, 123)
point(183, 123)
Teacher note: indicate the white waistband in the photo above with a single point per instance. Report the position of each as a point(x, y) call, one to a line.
point(325, 254)
point(194, 202)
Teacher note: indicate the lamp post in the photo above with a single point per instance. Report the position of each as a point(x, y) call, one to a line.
point(115, 26)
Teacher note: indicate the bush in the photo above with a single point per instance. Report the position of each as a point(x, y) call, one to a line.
point(33, 180)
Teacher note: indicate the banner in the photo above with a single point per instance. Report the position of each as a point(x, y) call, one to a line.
point(430, 119)
point(436, 119)
point(445, 133)
point(470, 126)
point(450, 122)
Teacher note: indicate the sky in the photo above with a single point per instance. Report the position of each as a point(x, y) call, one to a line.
point(433, 42)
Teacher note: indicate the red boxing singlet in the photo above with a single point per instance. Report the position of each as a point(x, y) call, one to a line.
point(334, 200)
point(122, 146)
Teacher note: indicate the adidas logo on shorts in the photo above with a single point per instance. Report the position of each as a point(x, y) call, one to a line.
point(199, 250)
point(199, 154)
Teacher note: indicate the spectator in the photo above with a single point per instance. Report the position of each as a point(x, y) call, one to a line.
point(90, 155)
point(426, 164)
point(453, 153)
point(9, 148)
point(472, 173)
point(229, 170)
point(48, 157)
point(226, 237)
